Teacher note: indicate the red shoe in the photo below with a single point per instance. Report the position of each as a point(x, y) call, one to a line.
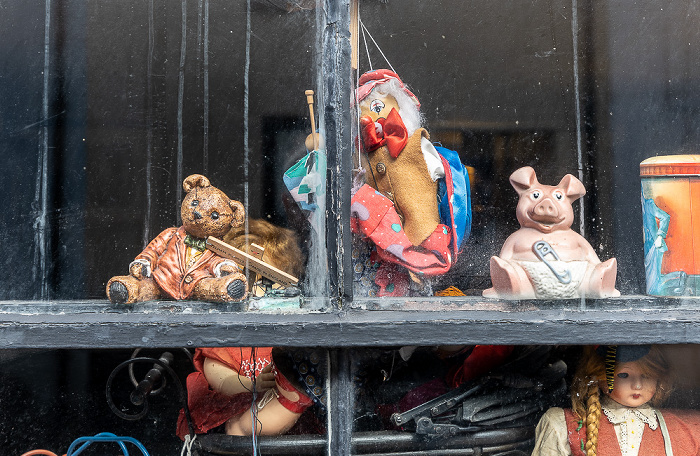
point(296, 407)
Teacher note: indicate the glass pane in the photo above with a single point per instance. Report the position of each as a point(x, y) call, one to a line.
point(63, 398)
point(561, 87)
point(496, 399)
point(124, 101)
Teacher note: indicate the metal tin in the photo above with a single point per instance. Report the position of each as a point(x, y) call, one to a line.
point(671, 219)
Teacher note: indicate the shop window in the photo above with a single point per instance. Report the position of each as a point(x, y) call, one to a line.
point(108, 107)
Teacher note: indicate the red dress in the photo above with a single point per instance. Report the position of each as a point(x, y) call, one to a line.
point(683, 428)
point(208, 408)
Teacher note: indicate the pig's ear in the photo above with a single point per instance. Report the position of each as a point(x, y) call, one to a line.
point(523, 179)
point(573, 188)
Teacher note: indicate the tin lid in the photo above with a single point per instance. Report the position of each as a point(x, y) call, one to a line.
point(670, 165)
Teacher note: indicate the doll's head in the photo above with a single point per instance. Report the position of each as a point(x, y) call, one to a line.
point(381, 90)
point(619, 371)
point(629, 375)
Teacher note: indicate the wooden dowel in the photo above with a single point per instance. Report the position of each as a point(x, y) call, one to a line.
point(310, 100)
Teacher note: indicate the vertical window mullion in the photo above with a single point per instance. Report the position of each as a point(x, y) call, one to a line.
point(336, 88)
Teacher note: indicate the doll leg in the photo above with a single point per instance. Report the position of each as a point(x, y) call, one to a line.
point(289, 400)
point(128, 290)
point(226, 380)
point(277, 416)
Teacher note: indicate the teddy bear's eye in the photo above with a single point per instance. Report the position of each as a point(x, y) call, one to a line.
point(215, 215)
point(195, 203)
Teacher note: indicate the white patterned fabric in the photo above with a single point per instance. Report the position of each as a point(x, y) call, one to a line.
point(629, 423)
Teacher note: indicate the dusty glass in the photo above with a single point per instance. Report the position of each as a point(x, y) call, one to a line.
point(562, 87)
point(109, 106)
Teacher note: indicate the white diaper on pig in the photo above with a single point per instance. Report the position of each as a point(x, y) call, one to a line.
point(547, 285)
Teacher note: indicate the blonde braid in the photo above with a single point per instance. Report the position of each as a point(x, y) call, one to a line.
point(592, 421)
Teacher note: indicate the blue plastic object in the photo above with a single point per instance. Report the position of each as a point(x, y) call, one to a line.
point(104, 437)
point(455, 203)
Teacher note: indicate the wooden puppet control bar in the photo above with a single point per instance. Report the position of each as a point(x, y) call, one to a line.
point(254, 264)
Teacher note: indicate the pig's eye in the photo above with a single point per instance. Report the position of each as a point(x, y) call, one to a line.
point(536, 195)
point(376, 106)
point(559, 195)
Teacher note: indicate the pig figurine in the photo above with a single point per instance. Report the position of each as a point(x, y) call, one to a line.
point(545, 258)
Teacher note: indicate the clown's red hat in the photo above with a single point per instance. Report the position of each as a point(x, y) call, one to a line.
point(372, 79)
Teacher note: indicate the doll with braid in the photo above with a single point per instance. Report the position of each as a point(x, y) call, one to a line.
point(614, 395)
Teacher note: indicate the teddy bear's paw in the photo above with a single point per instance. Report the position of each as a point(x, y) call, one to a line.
point(236, 289)
point(118, 294)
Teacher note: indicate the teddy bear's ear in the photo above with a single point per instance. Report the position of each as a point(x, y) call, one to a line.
point(195, 180)
point(238, 213)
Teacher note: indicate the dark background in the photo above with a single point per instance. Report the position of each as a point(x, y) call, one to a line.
point(93, 158)
point(500, 84)
point(93, 155)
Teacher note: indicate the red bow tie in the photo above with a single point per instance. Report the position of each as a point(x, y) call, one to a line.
point(394, 134)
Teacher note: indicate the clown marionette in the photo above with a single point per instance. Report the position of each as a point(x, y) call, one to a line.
point(414, 206)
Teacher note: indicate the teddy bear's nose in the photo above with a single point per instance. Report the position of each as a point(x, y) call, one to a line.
point(197, 215)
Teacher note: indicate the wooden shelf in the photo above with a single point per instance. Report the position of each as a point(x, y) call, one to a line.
point(432, 321)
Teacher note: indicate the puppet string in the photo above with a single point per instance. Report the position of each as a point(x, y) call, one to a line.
point(375, 43)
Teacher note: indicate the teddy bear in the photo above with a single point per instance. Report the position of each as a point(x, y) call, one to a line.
point(177, 264)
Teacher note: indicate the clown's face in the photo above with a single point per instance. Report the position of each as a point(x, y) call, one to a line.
point(632, 387)
point(378, 106)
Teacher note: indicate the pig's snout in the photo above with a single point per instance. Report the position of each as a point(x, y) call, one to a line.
point(546, 211)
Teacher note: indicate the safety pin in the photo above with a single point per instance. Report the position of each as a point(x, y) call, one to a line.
point(541, 249)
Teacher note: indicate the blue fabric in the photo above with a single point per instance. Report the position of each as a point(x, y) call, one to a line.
point(458, 212)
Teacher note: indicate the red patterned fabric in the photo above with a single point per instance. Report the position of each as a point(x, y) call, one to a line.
point(375, 218)
point(208, 408)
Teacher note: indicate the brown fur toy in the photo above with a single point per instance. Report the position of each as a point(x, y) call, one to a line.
point(281, 245)
point(176, 264)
